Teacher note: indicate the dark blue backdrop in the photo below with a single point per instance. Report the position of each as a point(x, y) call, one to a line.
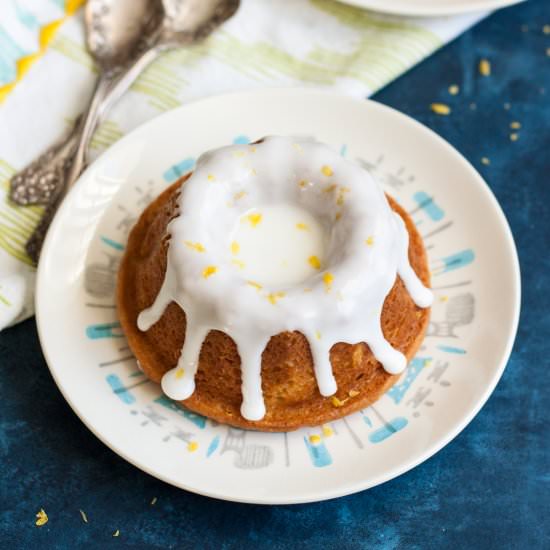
point(489, 488)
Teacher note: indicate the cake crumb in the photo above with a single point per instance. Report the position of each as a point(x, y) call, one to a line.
point(153, 501)
point(353, 393)
point(327, 171)
point(485, 160)
point(515, 125)
point(514, 136)
point(116, 533)
point(211, 177)
point(195, 246)
point(302, 226)
point(454, 89)
point(440, 108)
point(546, 29)
point(84, 516)
point(485, 67)
point(337, 402)
point(273, 297)
point(41, 518)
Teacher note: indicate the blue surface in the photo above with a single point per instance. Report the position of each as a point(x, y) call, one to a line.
point(488, 489)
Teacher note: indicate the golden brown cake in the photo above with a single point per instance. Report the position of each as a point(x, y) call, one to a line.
point(290, 391)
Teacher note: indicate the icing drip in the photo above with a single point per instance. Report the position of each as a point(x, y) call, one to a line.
point(356, 248)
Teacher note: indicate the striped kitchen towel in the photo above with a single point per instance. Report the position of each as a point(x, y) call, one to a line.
point(46, 78)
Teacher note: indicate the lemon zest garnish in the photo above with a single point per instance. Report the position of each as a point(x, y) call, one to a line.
point(195, 246)
point(443, 298)
point(327, 171)
point(274, 296)
point(209, 270)
point(440, 108)
point(337, 402)
point(369, 241)
point(315, 439)
point(253, 171)
point(484, 67)
point(328, 278)
point(235, 247)
point(257, 286)
point(239, 195)
point(41, 518)
point(192, 446)
point(302, 183)
point(327, 431)
point(211, 177)
point(179, 373)
point(254, 219)
point(314, 262)
point(240, 264)
point(353, 393)
point(302, 226)
point(252, 149)
point(239, 154)
point(330, 188)
point(317, 335)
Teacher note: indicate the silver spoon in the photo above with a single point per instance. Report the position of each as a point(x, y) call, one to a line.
point(185, 22)
point(114, 29)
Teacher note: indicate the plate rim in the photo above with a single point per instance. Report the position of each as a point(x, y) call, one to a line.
point(456, 8)
point(346, 489)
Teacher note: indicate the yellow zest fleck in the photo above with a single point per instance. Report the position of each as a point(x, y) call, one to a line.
point(314, 262)
point(253, 172)
point(195, 246)
point(239, 154)
point(485, 160)
point(235, 247)
point(369, 241)
point(484, 67)
point(328, 278)
point(440, 108)
point(302, 184)
point(257, 286)
point(297, 147)
point(41, 518)
point(192, 446)
point(239, 195)
point(327, 171)
point(353, 393)
point(209, 270)
point(338, 216)
point(179, 373)
point(327, 431)
point(153, 501)
point(116, 533)
point(254, 219)
point(302, 226)
point(317, 335)
point(514, 136)
point(84, 516)
point(252, 149)
point(454, 89)
point(515, 125)
point(238, 263)
point(443, 298)
point(330, 188)
point(315, 439)
point(211, 177)
point(546, 29)
point(274, 296)
point(337, 402)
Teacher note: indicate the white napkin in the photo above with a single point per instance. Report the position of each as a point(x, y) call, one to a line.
point(46, 78)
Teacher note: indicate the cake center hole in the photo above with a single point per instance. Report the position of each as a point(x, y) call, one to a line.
point(277, 245)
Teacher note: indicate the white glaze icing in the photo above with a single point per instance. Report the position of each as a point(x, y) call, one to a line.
point(365, 247)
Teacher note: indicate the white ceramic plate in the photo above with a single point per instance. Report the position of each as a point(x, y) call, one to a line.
point(430, 7)
point(475, 276)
